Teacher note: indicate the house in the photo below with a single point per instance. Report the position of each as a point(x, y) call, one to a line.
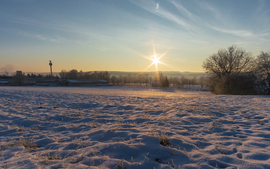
point(47, 82)
point(41, 82)
point(30, 82)
point(93, 82)
point(4, 82)
point(7, 81)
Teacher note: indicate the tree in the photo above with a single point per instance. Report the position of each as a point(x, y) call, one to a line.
point(166, 82)
point(263, 68)
point(226, 61)
point(63, 74)
point(113, 79)
point(19, 78)
point(263, 63)
point(73, 74)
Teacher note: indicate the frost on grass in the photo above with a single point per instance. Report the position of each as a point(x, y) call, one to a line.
point(23, 142)
point(164, 140)
point(129, 127)
point(120, 165)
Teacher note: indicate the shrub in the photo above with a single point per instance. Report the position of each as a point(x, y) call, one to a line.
point(238, 84)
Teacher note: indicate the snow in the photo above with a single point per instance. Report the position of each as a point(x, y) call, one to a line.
point(120, 127)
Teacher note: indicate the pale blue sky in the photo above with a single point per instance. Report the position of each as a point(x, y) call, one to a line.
point(114, 34)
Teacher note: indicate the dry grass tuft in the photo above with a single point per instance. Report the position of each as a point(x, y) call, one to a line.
point(47, 157)
point(164, 140)
point(216, 124)
point(95, 125)
point(78, 114)
point(164, 119)
point(145, 116)
point(55, 157)
point(23, 142)
point(120, 165)
point(20, 128)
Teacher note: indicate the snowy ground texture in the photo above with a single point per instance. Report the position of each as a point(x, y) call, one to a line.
point(132, 127)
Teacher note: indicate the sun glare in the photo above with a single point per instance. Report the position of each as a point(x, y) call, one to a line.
point(155, 60)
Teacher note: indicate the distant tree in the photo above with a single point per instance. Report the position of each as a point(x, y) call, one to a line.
point(146, 79)
point(63, 74)
point(226, 61)
point(113, 79)
point(184, 81)
point(165, 82)
point(80, 75)
point(202, 81)
point(120, 80)
point(73, 74)
point(140, 78)
point(19, 78)
point(150, 80)
point(125, 80)
point(106, 76)
point(160, 81)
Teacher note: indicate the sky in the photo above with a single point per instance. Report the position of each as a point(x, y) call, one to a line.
point(121, 35)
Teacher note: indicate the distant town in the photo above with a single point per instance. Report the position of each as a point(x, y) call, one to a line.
point(103, 78)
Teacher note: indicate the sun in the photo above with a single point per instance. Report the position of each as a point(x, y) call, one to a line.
point(155, 60)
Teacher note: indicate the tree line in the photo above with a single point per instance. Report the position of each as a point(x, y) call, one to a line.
point(236, 71)
point(142, 79)
point(74, 74)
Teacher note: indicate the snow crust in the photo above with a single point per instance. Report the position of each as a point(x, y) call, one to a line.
point(123, 127)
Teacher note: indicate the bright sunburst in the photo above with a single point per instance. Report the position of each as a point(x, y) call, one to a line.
point(155, 60)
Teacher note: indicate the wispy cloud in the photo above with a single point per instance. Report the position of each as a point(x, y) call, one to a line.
point(151, 6)
point(67, 27)
point(157, 6)
point(210, 8)
point(240, 33)
point(57, 39)
point(183, 10)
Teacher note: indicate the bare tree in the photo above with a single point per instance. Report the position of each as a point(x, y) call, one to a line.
point(73, 74)
point(263, 62)
point(227, 61)
point(63, 74)
point(263, 68)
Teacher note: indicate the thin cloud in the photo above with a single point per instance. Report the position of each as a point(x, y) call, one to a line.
point(212, 9)
point(64, 27)
point(241, 33)
point(44, 38)
point(183, 10)
point(148, 6)
point(157, 6)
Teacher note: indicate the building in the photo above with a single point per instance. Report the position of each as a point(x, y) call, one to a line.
point(41, 82)
point(84, 82)
point(4, 82)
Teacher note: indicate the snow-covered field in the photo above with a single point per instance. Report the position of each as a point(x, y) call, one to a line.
point(131, 127)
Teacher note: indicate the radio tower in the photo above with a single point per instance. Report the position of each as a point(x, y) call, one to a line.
point(51, 67)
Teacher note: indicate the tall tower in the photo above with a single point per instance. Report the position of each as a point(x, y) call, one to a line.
point(51, 67)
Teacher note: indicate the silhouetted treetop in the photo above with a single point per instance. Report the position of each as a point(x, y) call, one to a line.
point(263, 62)
point(227, 61)
point(74, 74)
